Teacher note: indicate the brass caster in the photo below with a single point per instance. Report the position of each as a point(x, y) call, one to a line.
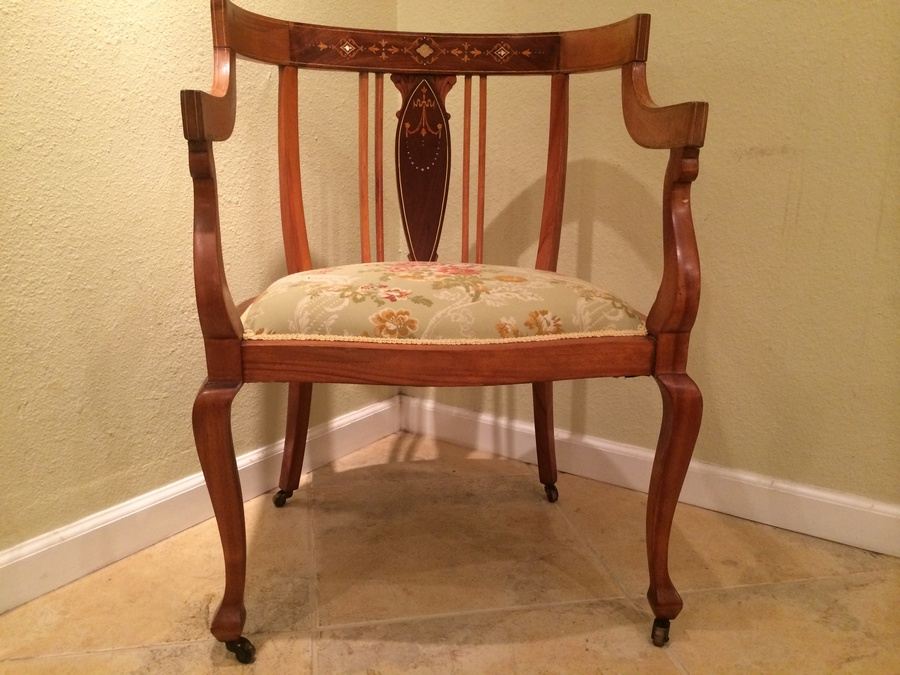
point(280, 498)
point(660, 632)
point(242, 649)
point(552, 492)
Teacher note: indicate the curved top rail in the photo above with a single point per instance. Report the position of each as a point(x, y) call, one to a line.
point(312, 46)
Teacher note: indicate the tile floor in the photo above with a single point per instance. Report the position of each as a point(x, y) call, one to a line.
point(413, 555)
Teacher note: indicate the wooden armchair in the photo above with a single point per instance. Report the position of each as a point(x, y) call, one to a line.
point(420, 322)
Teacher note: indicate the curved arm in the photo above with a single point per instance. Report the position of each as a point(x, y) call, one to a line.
point(219, 318)
point(675, 308)
point(210, 117)
point(672, 126)
point(681, 128)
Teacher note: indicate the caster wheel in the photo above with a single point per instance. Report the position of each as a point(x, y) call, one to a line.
point(280, 498)
point(660, 633)
point(552, 492)
point(242, 649)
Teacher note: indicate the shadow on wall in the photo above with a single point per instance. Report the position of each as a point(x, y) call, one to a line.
point(604, 203)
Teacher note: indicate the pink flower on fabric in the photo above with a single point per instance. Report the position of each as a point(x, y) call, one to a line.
point(393, 294)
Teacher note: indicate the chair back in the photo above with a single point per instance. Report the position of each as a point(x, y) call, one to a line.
point(425, 68)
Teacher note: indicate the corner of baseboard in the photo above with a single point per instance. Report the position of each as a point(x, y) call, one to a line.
point(844, 518)
point(51, 560)
point(56, 558)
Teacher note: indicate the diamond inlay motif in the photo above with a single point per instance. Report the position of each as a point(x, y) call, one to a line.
point(425, 50)
point(348, 47)
point(501, 52)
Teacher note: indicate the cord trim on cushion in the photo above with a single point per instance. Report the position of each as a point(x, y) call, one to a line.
point(249, 335)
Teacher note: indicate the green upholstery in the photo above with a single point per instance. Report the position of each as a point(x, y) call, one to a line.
point(423, 302)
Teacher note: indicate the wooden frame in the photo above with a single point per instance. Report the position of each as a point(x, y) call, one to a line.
point(418, 62)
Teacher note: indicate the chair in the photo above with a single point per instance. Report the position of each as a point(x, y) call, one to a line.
point(426, 323)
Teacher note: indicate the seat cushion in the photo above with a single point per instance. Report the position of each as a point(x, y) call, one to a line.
point(458, 303)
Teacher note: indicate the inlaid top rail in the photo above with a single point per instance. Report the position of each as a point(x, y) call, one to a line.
point(312, 46)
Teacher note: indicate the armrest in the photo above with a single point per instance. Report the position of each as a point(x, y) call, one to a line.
point(219, 318)
point(652, 126)
point(207, 118)
point(680, 128)
point(210, 116)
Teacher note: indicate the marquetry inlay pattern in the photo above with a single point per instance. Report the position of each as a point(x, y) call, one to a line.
point(390, 51)
point(423, 159)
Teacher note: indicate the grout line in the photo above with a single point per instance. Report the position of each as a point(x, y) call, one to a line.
point(105, 650)
point(469, 612)
point(675, 660)
point(640, 607)
point(783, 582)
point(671, 654)
point(598, 557)
point(258, 638)
point(314, 590)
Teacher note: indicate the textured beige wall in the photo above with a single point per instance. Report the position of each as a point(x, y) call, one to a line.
point(796, 210)
point(101, 350)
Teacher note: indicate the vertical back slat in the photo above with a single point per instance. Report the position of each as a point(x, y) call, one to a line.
point(379, 167)
point(422, 155)
point(467, 152)
point(293, 220)
point(555, 185)
point(482, 156)
point(365, 248)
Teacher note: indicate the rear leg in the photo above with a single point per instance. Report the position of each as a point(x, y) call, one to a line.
point(542, 395)
point(299, 400)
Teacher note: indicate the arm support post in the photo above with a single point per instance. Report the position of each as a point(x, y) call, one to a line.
point(208, 118)
point(675, 308)
point(680, 128)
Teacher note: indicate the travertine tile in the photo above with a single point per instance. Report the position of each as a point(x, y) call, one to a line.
point(410, 528)
point(707, 549)
point(424, 545)
point(848, 624)
point(275, 653)
point(606, 636)
point(168, 592)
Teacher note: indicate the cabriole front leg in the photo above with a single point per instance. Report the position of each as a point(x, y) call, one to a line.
point(682, 410)
point(215, 447)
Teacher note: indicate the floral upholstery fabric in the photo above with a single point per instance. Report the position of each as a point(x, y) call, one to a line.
point(435, 302)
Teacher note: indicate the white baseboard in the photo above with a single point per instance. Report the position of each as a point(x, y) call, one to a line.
point(837, 516)
point(51, 560)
